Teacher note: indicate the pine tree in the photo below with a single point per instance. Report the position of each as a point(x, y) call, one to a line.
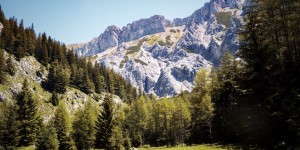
point(224, 93)
point(84, 126)
point(47, 138)
point(105, 124)
point(9, 132)
point(10, 66)
point(54, 98)
point(28, 116)
point(2, 67)
point(62, 124)
point(58, 78)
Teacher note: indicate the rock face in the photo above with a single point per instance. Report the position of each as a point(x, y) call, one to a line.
point(163, 57)
point(113, 36)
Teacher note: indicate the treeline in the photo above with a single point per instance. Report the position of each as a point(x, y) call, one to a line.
point(65, 67)
point(256, 98)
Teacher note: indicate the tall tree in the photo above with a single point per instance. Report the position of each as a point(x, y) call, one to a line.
point(58, 78)
point(10, 65)
point(84, 126)
point(224, 93)
point(137, 121)
point(2, 67)
point(9, 132)
point(181, 121)
point(105, 124)
point(201, 108)
point(62, 125)
point(47, 138)
point(28, 116)
point(270, 83)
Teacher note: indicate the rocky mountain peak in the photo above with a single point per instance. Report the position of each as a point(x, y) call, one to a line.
point(163, 57)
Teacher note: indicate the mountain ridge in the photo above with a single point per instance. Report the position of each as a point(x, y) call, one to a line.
point(168, 46)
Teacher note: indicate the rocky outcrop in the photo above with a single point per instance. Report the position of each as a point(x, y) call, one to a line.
point(114, 36)
point(140, 28)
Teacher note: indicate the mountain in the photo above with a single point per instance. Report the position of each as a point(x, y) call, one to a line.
point(161, 56)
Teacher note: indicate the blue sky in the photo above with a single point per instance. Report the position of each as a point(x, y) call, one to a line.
point(75, 21)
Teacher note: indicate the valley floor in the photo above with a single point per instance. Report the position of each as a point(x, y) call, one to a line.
point(197, 147)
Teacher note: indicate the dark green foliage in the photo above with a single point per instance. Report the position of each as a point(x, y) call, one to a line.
point(127, 141)
point(54, 98)
point(62, 124)
point(2, 67)
point(28, 116)
point(20, 41)
point(9, 132)
point(47, 138)
point(223, 18)
point(58, 78)
point(223, 95)
point(84, 126)
point(105, 124)
point(10, 66)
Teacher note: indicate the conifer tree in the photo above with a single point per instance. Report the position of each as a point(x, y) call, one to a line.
point(84, 126)
point(47, 138)
point(62, 124)
point(9, 132)
point(10, 66)
point(54, 98)
point(58, 78)
point(201, 108)
point(28, 116)
point(2, 67)
point(137, 121)
point(105, 124)
point(224, 93)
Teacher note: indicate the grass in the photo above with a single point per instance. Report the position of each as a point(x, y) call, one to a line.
point(135, 49)
point(197, 147)
point(26, 148)
point(124, 61)
point(173, 31)
point(223, 18)
point(141, 62)
point(153, 39)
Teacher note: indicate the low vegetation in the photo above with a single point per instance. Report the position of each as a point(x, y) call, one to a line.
point(223, 18)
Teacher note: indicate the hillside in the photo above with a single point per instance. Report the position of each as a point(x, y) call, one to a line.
point(29, 68)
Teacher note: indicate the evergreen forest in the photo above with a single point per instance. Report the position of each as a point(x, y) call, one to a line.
point(252, 99)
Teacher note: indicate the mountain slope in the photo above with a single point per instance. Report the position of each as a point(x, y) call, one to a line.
point(163, 57)
point(30, 69)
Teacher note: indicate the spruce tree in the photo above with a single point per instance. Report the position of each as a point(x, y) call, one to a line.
point(62, 124)
point(28, 115)
point(47, 138)
point(58, 78)
point(9, 132)
point(2, 67)
point(224, 93)
point(10, 66)
point(54, 98)
point(105, 124)
point(84, 126)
